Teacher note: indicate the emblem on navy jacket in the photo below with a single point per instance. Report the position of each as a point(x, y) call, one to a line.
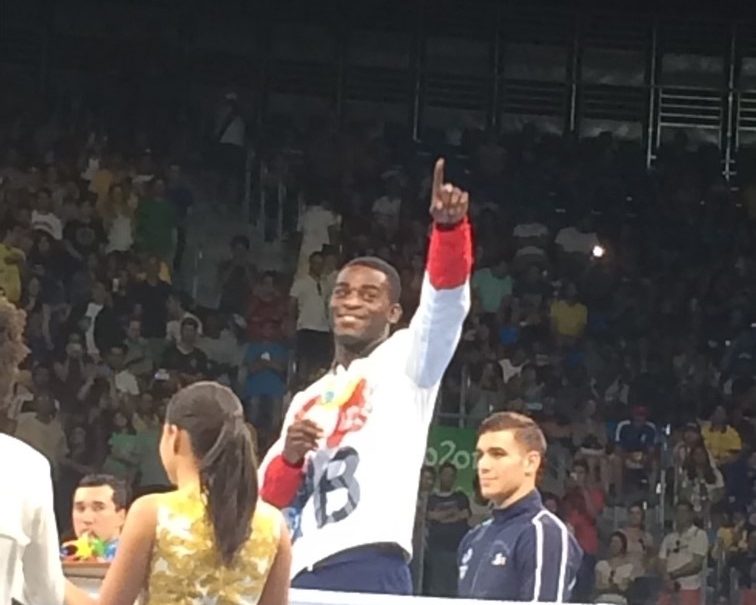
point(499, 560)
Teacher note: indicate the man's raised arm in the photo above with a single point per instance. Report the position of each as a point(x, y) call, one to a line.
point(445, 296)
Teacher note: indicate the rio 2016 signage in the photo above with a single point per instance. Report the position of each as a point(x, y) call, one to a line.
point(448, 444)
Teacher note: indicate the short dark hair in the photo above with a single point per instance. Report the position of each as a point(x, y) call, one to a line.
point(446, 465)
point(392, 275)
point(427, 468)
point(189, 321)
point(526, 432)
point(121, 491)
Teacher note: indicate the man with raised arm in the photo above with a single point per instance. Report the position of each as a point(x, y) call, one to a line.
point(348, 461)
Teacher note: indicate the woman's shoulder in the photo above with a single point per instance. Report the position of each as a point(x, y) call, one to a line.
point(267, 518)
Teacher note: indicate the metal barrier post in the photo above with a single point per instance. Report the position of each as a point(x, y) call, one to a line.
point(463, 390)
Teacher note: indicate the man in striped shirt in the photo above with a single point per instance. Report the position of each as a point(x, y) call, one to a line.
point(524, 553)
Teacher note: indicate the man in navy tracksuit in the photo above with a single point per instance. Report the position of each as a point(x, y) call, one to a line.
point(524, 553)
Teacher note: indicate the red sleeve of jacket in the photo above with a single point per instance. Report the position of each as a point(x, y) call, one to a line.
point(281, 482)
point(450, 255)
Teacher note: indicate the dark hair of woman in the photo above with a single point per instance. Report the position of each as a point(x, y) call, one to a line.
point(622, 538)
point(691, 466)
point(212, 417)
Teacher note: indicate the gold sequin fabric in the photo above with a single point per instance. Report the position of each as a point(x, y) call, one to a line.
point(186, 568)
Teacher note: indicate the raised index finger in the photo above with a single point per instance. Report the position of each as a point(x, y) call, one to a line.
point(438, 177)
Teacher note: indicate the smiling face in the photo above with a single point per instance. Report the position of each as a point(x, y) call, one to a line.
point(362, 306)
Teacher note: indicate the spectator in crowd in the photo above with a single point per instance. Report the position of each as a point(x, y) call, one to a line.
point(640, 547)
point(99, 507)
point(84, 235)
point(266, 362)
point(583, 503)
point(492, 286)
point(176, 307)
point(387, 208)
point(156, 223)
point(183, 359)
point(635, 458)
point(180, 195)
point(310, 307)
point(701, 483)
point(448, 514)
point(44, 219)
point(420, 531)
point(118, 218)
point(615, 574)
point(569, 317)
point(150, 298)
point(721, 439)
point(236, 275)
point(267, 304)
point(745, 566)
point(122, 460)
point(43, 430)
point(11, 263)
point(681, 558)
point(318, 226)
point(139, 358)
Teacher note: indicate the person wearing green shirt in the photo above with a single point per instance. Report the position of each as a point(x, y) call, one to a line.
point(156, 222)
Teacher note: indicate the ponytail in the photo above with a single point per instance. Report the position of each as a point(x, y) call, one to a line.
point(222, 446)
point(229, 482)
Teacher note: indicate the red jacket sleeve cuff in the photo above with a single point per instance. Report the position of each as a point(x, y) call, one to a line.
point(450, 255)
point(281, 482)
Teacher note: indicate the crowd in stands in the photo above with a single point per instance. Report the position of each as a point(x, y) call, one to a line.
point(612, 303)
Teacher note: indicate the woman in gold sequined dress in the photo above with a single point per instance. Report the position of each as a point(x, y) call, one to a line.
point(212, 540)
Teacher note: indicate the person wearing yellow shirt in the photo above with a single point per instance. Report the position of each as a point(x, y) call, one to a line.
point(11, 260)
point(569, 316)
point(721, 439)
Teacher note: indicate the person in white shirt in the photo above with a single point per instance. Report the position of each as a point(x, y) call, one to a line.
point(309, 304)
point(318, 226)
point(615, 573)
point(347, 464)
point(43, 219)
point(177, 313)
point(124, 380)
point(386, 209)
point(681, 559)
point(30, 569)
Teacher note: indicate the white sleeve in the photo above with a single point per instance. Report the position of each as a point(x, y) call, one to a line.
point(664, 548)
point(295, 289)
point(434, 331)
point(44, 583)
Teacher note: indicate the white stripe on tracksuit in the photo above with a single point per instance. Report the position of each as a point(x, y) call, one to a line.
point(543, 570)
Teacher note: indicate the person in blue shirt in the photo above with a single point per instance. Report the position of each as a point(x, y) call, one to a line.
point(266, 362)
point(524, 552)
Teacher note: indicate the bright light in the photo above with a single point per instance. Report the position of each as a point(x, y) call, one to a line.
point(598, 251)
